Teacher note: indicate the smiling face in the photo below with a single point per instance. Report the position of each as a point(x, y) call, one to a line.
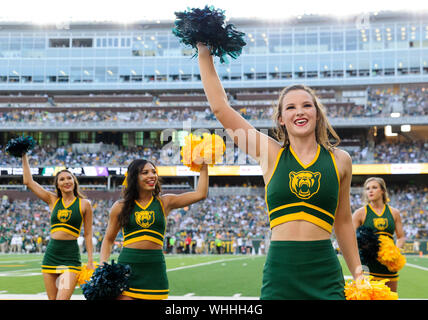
point(65, 182)
point(147, 177)
point(298, 114)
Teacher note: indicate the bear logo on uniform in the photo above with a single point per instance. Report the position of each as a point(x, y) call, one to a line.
point(63, 215)
point(380, 223)
point(145, 218)
point(304, 184)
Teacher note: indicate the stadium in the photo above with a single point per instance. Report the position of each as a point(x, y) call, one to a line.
point(97, 95)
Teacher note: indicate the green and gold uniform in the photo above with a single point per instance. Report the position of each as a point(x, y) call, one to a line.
point(64, 255)
point(303, 269)
point(148, 278)
point(381, 224)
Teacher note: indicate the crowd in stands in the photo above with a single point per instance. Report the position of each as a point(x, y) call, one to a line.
point(407, 101)
point(232, 223)
point(403, 152)
point(383, 152)
point(39, 117)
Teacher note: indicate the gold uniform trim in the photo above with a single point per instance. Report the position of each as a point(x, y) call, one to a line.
point(147, 205)
point(60, 269)
point(53, 230)
point(380, 276)
point(381, 214)
point(144, 230)
point(338, 179)
point(145, 237)
point(145, 296)
point(302, 216)
point(66, 207)
point(278, 156)
point(55, 204)
point(310, 163)
point(296, 204)
point(64, 224)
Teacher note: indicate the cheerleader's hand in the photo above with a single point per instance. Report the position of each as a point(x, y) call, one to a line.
point(90, 265)
point(359, 274)
point(203, 50)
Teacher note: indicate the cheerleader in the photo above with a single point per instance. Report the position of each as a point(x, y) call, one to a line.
point(142, 216)
point(69, 211)
point(307, 182)
point(383, 220)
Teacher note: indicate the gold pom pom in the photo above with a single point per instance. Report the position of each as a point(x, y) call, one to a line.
point(213, 148)
point(196, 150)
point(368, 289)
point(389, 254)
point(85, 273)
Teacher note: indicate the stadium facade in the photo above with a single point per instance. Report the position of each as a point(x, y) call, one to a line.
point(72, 70)
point(375, 48)
point(82, 65)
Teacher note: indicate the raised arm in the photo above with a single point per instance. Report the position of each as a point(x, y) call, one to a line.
point(251, 141)
point(343, 225)
point(174, 201)
point(113, 228)
point(37, 189)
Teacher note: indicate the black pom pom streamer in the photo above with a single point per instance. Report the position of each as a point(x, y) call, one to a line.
point(208, 27)
point(368, 244)
point(18, 146)
point(107, 282)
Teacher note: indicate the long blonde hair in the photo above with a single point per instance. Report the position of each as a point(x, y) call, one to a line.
point(382, 185)
point(323, 127)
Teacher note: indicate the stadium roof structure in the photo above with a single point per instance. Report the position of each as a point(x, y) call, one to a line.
point(297, 20)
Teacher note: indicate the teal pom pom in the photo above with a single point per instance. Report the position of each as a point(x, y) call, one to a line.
point(18, 146)
point(107, 282)
point(208, 27)
point(368, 244)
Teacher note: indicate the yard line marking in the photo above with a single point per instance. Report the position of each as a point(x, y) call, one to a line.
point(416, 266)
point(20, 260)
point(20, 271)
point(5, 274)
point(206, 263)
point(11, 265)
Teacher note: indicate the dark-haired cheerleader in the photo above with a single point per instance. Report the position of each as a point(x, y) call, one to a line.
point(142, 215)
point(383, 220)
point(69, 211)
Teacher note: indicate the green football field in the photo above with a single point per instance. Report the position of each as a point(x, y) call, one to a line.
point(197, 276)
